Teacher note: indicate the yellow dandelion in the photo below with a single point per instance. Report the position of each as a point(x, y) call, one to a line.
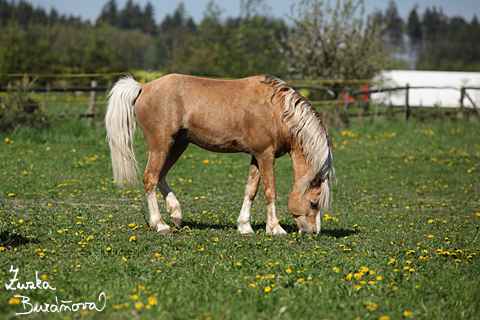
point(14, 300)
point(138, 305)
point(336, 269)
point(407, 313)
point(268, 289)
point(152, 300)
point(384, 318)
point(371, 306)
point(358, 276)
point(288, 270)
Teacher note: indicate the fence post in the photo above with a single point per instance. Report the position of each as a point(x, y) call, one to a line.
point(93, 98)
point(472, 102)
point(407, 106)
point(462, 97)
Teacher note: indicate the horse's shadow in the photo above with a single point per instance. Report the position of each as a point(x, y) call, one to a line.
point(14, 240)
point(258, 227)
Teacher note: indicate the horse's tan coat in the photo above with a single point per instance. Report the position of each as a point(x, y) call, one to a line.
point(244, 115)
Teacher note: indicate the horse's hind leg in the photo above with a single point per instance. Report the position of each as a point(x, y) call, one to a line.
point(243, 221)
point(156, 162)
point(173, 206)
point(162, 157)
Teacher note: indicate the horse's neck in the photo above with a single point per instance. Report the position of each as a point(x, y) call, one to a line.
point(300, 165)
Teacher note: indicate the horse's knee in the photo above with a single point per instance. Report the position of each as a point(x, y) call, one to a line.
point(149, 181)
point(270, 196)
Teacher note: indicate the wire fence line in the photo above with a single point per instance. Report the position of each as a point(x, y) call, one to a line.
point(343, 94)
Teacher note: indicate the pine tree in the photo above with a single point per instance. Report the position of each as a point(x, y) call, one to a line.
point(414, 33)
point(109, 14)
point(149, 20)
point(394, 26)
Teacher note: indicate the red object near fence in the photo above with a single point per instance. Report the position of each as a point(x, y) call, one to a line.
point(365, 96)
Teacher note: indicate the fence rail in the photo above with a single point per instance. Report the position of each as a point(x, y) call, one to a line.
point(58, 88)
point(309, 85)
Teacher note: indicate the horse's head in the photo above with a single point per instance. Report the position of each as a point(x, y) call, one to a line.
point(306, 207)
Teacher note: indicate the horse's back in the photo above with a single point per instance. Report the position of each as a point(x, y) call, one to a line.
point(217, 115)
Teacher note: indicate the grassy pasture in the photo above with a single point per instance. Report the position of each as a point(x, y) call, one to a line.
point(401, 240)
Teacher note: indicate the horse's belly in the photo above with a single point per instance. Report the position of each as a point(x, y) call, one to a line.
point(215, 141)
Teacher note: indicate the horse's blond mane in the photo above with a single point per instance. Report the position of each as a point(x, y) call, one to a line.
point(305, 125)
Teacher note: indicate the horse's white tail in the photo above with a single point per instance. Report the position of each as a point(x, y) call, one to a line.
point(120, 122)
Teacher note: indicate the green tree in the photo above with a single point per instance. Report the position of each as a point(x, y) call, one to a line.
point(236, 47)
point(394, 28)
point(109, 14)
point(172, 37)
point(334, 42)
point(25, 52)
point(98, 57)
point(449, 43)
point(414, 33)
point(148, 24)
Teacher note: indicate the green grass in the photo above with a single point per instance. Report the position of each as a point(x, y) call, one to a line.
point(401, 239)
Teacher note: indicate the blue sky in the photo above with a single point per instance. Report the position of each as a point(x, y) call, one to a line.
point(90, 9)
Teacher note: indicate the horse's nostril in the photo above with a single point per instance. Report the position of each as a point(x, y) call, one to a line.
point(313, 205)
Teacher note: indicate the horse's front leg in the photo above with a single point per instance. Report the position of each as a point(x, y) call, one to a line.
point(267, 166)
point(243, 221)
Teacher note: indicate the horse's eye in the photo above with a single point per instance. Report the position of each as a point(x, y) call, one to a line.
point(313, 205)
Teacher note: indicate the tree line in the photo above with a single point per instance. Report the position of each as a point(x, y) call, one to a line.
point(318, 40)
point(431, 40)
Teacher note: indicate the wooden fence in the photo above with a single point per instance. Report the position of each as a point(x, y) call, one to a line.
point(347, 93)
point(343, 98)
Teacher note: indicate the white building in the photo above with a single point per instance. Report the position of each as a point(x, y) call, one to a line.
point(448, 96)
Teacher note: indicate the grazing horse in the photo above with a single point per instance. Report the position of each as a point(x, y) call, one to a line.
point(259, 115)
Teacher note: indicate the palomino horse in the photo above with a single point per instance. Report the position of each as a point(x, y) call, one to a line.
point(260, 115)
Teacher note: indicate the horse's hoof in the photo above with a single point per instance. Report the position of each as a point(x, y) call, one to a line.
point(251, 233)
point(164, 231)
point(177, 222)
point(276, 231)
point(245, 229)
